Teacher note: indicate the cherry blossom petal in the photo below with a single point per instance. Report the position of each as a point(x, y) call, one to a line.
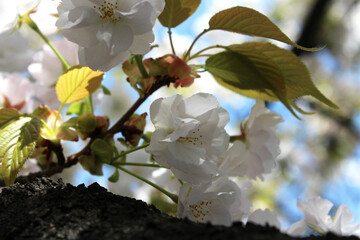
point(189, 141)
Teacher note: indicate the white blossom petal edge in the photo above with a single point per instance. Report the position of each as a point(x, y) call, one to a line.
point(316, 211)
point(11, 10)
point(220, 202)
point(256, 153)
point(264, 217)
point(108, 31)
point(190, 136)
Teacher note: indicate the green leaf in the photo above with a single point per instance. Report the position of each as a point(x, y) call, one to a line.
point(237, 71)
point(77, 83)
point(17, 143)
point(86, 123)
point(72, 122)
point(91, 164)
point(115, 177)
point(250, 22)
point(265, 71)
point(78, 108)
point(7, 115)
point(177, 11)
point(102, 150)
point(66, 134)
point(106, 91)
point(294, 72)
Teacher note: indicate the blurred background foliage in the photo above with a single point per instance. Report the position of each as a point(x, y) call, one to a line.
point(320, 154)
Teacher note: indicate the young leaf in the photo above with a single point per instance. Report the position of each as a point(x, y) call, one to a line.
point(296, 75)
point(237, 72)
point(78, 108)
point(177, 11)
point(86, 123)
point(7, 115)
point(102, 150)
point(91, 164)
point(77, 83)
point(115, 177)
point(105, 90)
point(17, 143)
point(250, 22)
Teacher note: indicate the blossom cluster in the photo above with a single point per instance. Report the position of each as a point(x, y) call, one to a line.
point(98, 34)
point(190, 139)
point(107, 32)
point(212, 172)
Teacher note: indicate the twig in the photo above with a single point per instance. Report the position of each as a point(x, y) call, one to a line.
point(118, 127)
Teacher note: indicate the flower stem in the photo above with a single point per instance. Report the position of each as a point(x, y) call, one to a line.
point(145, 138)
point(57, 53)
point(138, 164)
point(171, 42)
point(169, 194)
point(130, 151)
point(26, 18)
point(144, 73)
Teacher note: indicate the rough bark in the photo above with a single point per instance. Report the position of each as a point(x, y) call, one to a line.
point(45, 209)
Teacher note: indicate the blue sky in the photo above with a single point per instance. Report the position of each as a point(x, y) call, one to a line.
point(288, 192)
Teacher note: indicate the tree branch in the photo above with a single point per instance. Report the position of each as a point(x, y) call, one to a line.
point(116, 128)
point(310, 34)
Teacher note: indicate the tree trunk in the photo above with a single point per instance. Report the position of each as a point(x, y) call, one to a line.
point(45, 209)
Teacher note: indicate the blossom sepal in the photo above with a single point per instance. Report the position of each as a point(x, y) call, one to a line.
point(169, 67)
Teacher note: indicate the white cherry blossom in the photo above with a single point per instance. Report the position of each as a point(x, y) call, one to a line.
point(19, 92)
point(220, 202)
point(46, 67)
point(316, 211)
point(264, 217)
point(15, 52)
point(189, 136)
point(16, 91)
point(255, 153)
point(45, 16)
point(108, 31)
point(11, 10)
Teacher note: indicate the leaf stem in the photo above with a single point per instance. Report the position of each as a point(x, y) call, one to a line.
point(198, 54)
point(89, 103)
point(47, 127)
point(58, 114)
point(169, 194)
point(185, 57)
point(171, 42)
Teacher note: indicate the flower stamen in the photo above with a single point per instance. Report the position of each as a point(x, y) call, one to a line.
point(106, 11)
point(200, 210)
point(193, 138)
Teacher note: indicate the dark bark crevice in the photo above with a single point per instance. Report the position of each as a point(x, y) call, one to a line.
point(45, 209)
